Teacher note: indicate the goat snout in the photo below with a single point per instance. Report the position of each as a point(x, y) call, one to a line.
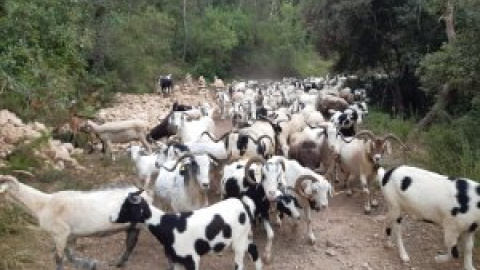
point(272, 195)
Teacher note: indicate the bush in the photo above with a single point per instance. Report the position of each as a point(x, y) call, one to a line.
point(381, 123)
point(23, 157)
point(452, 152)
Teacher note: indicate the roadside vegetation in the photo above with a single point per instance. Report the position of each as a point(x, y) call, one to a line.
point(419, 62)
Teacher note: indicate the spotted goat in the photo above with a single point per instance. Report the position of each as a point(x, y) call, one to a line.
point(187, 236)
point(451, 202)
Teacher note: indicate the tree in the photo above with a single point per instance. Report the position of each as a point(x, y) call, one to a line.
point(451, 71)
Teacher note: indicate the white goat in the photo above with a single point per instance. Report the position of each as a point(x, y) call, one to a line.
point(68, 215)
point(311, 189)
point(182, 184)
point(119, 132)
point(358, 157)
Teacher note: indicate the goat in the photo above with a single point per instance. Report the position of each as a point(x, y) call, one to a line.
point(68, 215)
point(119, 132)
point(166, 84)
point(310, 194)
point(189, 235)
point(361, 158)
point(182, 184)
point(235, 185)
point(450, 202)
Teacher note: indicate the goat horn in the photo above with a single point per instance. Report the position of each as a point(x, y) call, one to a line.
point(282, 163)
point(178, 161)
point(257, 141)
point(391, 136)
point(209, 135)
point(299, 182)
point(249, 164)
point(367, 133)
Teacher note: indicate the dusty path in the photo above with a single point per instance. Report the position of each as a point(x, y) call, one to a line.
point(346, 239)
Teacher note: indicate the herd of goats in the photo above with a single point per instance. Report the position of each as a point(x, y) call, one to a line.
point(291, 142)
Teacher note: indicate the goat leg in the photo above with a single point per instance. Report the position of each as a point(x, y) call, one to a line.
point(130, 243)
point(77, 261)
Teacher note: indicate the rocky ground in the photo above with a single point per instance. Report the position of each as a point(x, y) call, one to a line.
point(346, 238)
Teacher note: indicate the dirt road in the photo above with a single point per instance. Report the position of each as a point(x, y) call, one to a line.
point(346, 239)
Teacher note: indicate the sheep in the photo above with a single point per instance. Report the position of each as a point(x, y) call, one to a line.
point(451, 202)
point(287, 128)
point(324, 103)
point(119, 132)
point(189, 235)
point(222, 99)
point(361, 158)
point(68, 215)
point(313, 153)
point(235, 185)
point(182, 184)
point(310, 189)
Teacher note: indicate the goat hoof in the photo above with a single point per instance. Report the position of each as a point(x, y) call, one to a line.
point(119, 264)
point(311, 241)
point(405, 259)
point(368, 211)
point(389, 245)
point(374, 203)
point(267, 259)
point(442, 258)
point(93, 265)
point(349, 192)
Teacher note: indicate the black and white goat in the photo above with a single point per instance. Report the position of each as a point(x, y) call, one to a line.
point(450, 202)
point(236, 184)
point(189, 235)
point(166, 129)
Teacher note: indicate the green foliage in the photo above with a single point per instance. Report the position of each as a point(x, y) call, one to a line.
point(451, 152)
point(381, 123)
point(23, 157)
point(12, 222)
point(138, 49)
point(41, 56)
point(453, 64)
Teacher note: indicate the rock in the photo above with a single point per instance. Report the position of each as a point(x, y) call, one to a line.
point(331, 252)
point(330, 244)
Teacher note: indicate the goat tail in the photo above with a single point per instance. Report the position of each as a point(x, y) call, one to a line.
point(249, 206)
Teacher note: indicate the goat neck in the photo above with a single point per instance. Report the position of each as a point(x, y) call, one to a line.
point(29, 198)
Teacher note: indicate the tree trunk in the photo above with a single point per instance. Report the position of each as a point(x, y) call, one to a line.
point(448, 17)
point(444, 97)
point(185, 30)
point(100, 42)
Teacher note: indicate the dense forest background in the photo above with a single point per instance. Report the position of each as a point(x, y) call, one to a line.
point(419, 59)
